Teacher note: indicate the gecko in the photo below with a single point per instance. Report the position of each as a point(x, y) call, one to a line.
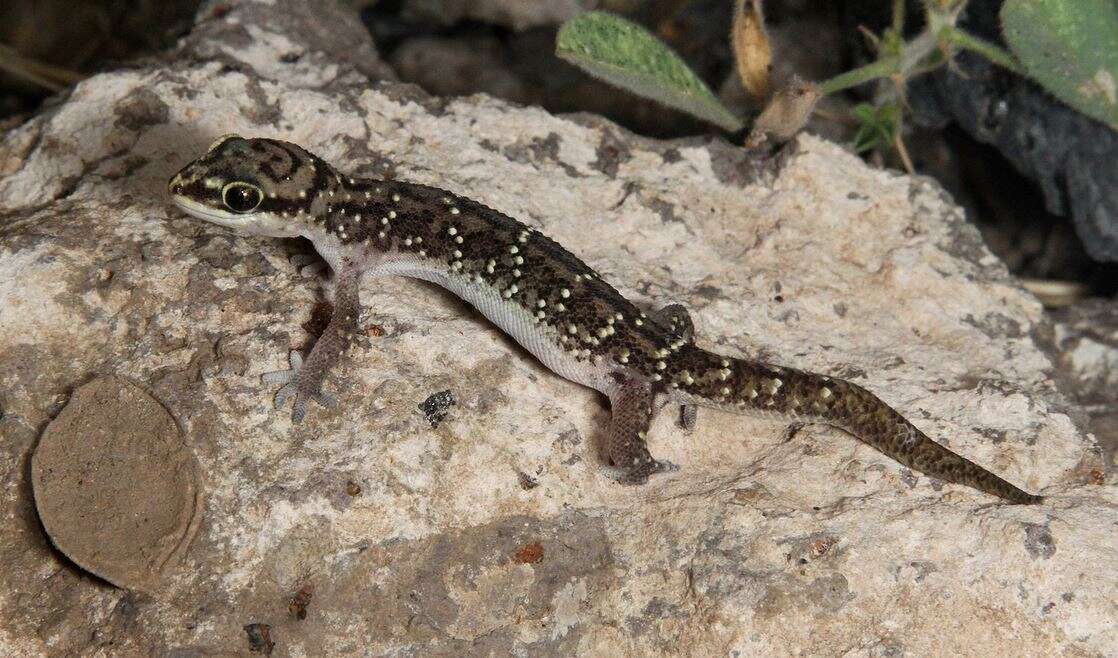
point(543, 296)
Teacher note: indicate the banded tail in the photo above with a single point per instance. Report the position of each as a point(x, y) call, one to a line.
point(754, 388)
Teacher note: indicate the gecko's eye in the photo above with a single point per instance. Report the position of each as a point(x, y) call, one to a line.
point(241, 197)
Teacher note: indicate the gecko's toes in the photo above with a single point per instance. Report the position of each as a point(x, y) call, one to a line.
point(314, 270)
point(298, 411)
point(309, 265)
point(278, 376)
point(299, 384)
point(295, 360)
point(640, 473)
point(285, 394)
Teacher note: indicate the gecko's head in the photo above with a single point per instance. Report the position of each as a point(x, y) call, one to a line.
point(259, 186)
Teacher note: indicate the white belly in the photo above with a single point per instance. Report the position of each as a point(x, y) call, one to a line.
point(537, 338)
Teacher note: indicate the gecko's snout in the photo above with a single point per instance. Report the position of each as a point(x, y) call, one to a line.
point(177, 184)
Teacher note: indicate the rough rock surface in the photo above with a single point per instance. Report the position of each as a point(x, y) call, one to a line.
point(115, 488)
point(1085, 338)
point(499, 530)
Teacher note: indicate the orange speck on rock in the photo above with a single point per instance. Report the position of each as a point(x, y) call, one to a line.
point(529, 554)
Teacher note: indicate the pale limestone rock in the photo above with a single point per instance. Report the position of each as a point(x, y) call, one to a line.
point(1085, 339)
point(500, 530)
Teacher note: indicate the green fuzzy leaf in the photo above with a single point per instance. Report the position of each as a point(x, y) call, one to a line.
point(877, 127)
point(628, 56)
point(1071, 48)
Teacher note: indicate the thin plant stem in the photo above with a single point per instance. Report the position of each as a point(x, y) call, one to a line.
point(967, 41)
point(902, 151)
point(874, 70)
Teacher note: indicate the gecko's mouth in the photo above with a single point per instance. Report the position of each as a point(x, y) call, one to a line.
point(202, 211)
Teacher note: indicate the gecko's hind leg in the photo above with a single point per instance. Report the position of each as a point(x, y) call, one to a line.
point(632, 411)
point(305, 377)
point(677, 321)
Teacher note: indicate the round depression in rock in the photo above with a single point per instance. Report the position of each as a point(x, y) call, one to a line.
point(115, 486)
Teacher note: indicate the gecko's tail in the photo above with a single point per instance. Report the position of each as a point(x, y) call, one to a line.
point(751, 387)
point(865, 416)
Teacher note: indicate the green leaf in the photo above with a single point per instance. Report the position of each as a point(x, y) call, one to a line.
point(1071, 48)
point(877, 126)
point(628, 56)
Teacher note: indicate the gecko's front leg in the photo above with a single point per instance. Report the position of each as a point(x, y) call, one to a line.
point(305, 377)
